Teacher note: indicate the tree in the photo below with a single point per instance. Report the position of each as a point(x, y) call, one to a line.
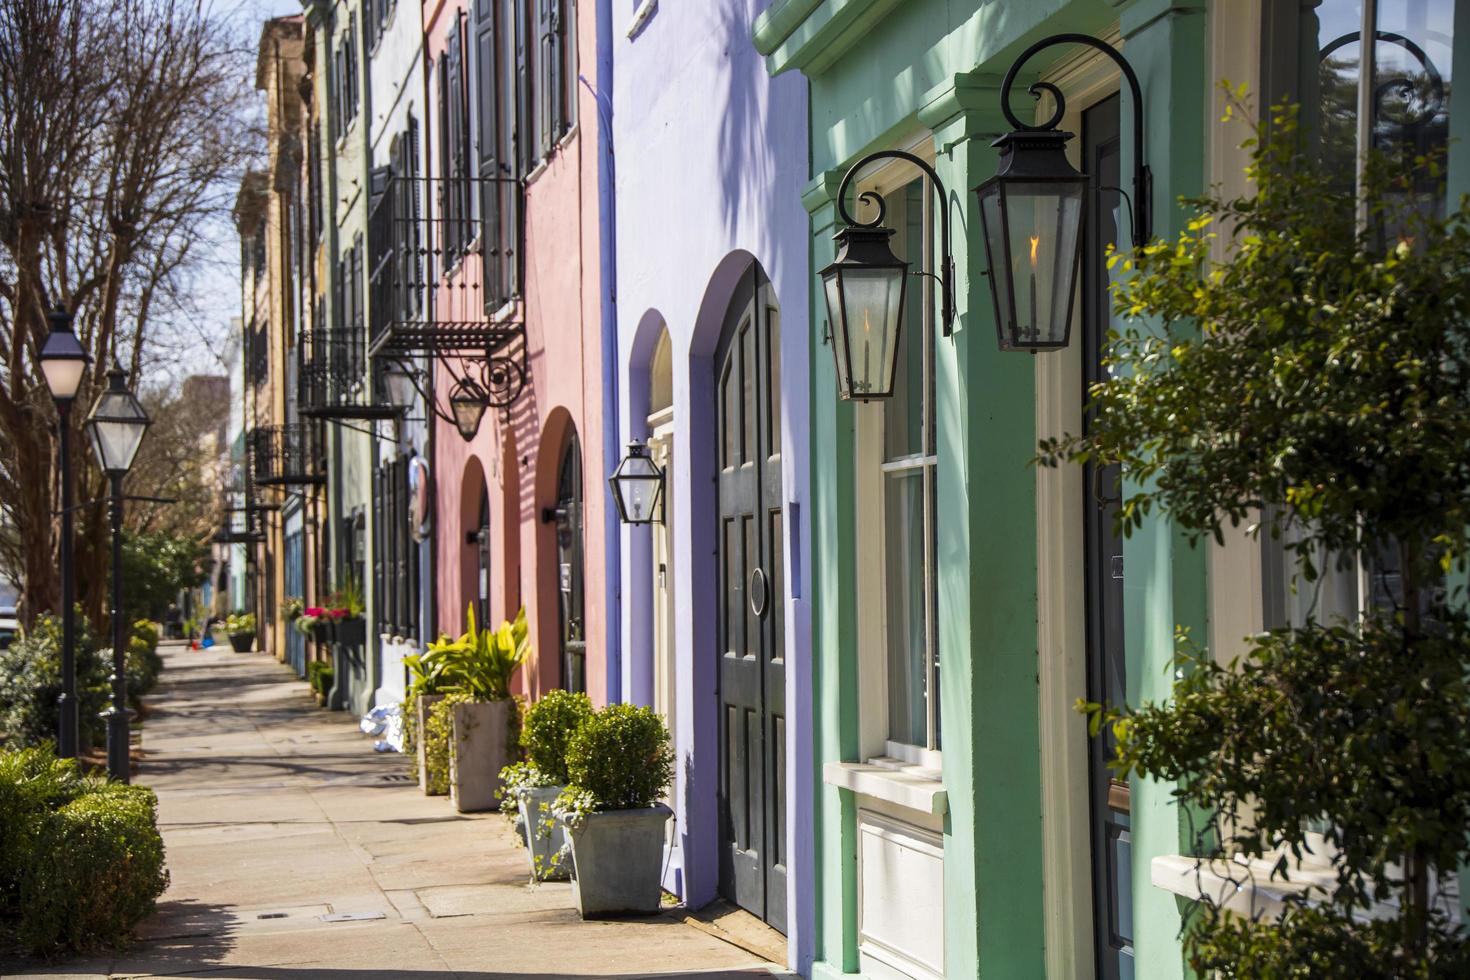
point(1315, 387)
point(155, 566)
point(122, 133)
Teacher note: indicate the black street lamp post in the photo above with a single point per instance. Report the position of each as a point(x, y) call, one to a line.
point(63, 363)
point(116, 425)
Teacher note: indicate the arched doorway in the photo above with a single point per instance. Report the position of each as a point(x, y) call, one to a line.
point(751, 626)
point(661, 448)
point(570, 573)
point(482, 559)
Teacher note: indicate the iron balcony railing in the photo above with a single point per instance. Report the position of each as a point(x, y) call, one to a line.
point(444, 255)
point(334, 377)
point(288, 455)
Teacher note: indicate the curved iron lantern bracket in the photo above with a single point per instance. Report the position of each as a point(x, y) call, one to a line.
point(500, 381)
point(1403, 86)
point(945, 276)
point(1142, 175)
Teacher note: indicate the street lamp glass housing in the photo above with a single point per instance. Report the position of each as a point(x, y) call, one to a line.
point(467, 403)
point(1031, 218)
point(63, 361)
point(637, 486)
point(398, 384)
point(864, 287)
point(116, 425)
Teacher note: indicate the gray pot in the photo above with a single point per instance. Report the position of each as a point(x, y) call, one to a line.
point(479, 747)
point(546, 846)
point(421, 711)
point(617, 860)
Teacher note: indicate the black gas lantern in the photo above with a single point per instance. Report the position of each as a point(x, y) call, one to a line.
point(467, 404)
point(637, 486)
point(866, 287)
point(1031, 213)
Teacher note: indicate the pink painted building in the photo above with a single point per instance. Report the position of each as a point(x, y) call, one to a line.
point(511, 153)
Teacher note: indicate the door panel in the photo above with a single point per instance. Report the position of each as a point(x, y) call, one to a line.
point(751, 627)
point(1111, 833)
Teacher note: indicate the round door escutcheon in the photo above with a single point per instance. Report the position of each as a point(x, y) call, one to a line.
point(758, 592)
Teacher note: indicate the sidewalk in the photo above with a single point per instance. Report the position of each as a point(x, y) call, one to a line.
point(277, 814)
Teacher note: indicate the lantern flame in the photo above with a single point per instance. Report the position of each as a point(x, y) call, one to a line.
point(1035, 240)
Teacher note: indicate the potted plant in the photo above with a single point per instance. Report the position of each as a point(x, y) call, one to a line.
point(313, 624)
point(240, 626)
point(619, 763)
point(345, 609)
point(429, 680)
point(479, 666)
point(530, 788)
point(292, 607)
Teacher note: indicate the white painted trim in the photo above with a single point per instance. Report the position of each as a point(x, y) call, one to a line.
point(892, 781)
point(879, 960)
point(640, 17)
point(1061, 605)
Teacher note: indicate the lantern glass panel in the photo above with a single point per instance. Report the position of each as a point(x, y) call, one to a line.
point(468, 411)
point(834, 321)
point(637, 484)
point(993, 222)
point(116, 427)
point(874, 303)
point(1043, 223)
point(63, 376)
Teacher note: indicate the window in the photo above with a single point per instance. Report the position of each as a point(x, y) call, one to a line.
point(375, 14)
point(396, 562)
point(556, 71)
point(454, 142)
point(343, 92)
point(894, 472)
point(1404, 81)
point(495, 118)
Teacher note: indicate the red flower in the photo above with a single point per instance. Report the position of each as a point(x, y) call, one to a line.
point(315, 611)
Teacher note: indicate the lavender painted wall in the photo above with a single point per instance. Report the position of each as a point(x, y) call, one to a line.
point(713, 155)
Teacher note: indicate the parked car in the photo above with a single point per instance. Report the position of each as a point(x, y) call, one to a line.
point(9, 626)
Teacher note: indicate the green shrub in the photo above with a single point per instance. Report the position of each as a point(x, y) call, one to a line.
point(143, 662)
point(549, 725)
point(621, 758)
point(438, 727)
point(84, 859)
point(30, 681)
point(240, 622)
point(319, 676)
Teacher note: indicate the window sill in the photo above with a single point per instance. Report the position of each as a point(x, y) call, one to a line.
point(892, 781)
point(1247, 888)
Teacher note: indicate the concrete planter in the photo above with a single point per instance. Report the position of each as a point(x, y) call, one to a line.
point(479, 747)
point(421, 716)
point(545, 834)
point(617, 860)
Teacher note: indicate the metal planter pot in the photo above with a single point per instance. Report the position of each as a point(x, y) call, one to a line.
point(546, 836)
point(617, 861)
point(242, 642)
point(350, 632)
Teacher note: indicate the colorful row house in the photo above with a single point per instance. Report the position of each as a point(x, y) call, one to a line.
point(502, 248)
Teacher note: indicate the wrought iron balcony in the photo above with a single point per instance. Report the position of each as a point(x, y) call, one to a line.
point(335, 379)
point(241, 525)
point(443, 257)
point(288, 455)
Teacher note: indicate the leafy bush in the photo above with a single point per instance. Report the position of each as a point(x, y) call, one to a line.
point(549, 725)
point(438, 728)
point(240, 622)
point(84, 859)
point(319, 676)
point(30, 681)
point(620, 758)
point(143, 662)
point(1311, 386)
point(155, 566)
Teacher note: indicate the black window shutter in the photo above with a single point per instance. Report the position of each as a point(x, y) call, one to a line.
point(546, 72)
point(525, 113)
point(487, 147)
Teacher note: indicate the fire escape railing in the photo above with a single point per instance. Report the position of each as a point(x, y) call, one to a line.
point(288, 455)
point(333, 377)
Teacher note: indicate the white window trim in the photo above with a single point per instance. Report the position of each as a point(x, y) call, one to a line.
point(872, 610)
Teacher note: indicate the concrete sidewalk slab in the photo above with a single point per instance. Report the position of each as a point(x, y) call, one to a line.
point(278, 815)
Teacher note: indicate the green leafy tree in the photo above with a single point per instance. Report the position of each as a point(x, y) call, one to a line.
point(1313, 386)
point(155, 566)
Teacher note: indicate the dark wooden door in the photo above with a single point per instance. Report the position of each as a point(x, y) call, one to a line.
point(751, 620)
point(1111, 829)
